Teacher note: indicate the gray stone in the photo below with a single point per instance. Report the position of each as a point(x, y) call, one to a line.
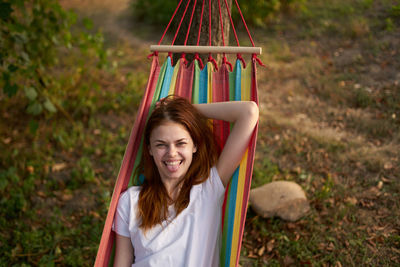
point(284, 199)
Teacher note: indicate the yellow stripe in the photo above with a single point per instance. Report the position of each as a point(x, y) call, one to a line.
point(246, 83)
point(173, 79)
point(210, 72)
point(238, 209)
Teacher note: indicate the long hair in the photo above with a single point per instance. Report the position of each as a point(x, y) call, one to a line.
point(153, 197)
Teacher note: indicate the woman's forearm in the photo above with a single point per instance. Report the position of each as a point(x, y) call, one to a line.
point(230, 111)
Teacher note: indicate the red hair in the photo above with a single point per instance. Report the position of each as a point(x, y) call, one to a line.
point(153, 197)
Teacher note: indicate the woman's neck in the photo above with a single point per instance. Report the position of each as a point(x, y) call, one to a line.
point(173, 189)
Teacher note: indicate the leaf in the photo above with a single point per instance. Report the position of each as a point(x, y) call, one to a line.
point(33, 126)
point(30, 93)
point(10, 89)
point(58, 167)
point(49, 106)
point(34, 108)
point(261, 251)
point(270, 245)
point(5, 10)
point(87, 23)
point(3, 181)
point(12, 68)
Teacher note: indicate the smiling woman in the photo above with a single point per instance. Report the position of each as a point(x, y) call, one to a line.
point(174, 218)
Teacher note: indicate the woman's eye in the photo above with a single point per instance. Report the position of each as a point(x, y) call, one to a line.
point(181, 144)
point(160, 145)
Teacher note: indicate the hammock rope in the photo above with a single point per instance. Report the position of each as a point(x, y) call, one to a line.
point(196, 55)
point(210, 57)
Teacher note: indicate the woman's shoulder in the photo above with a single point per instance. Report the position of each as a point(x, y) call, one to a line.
point(131, 193)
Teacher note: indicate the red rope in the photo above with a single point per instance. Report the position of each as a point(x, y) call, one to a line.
point(233, 26)
point(196, 56)
point(183, 57)
point(254, 56)
point(225, 61)
point(180, 23)
point(244, 22)
point(201, 22)
point(170, 56)
point(220, 20)
point(190, 22)
point(210, 58)
point(169, 23)
point(239, 56)
point(155, 53)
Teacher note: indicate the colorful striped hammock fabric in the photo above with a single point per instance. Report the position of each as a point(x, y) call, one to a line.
point(200, 86)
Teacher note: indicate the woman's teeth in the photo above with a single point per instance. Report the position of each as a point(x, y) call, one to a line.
point(173, 163)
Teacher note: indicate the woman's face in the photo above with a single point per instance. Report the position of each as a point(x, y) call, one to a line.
point(172, 148)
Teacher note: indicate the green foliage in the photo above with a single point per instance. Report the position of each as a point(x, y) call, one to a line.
point(154, 12)
point(395, 10)
point(256, 12)
point(260, 13)
point(33, 35)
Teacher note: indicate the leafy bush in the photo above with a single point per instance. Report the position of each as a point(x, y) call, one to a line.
point(256, 12)
point(33, 35)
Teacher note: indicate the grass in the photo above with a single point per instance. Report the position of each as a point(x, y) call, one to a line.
point(331, 126)
point(330, 122)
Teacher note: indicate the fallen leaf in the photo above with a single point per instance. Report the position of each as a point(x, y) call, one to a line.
point(251, 255)
point(270, 245)
point(287, 261)
point(95, 214)
point(7, 140)
point(351, 200)
point(58, 167)
point(30, 169)
point(261, 251)
point(330, 247)
point(380, 185)
point(291, 226)
point(388, 166)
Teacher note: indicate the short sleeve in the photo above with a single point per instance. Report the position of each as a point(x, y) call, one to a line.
point(121, 218)
point(216, 182)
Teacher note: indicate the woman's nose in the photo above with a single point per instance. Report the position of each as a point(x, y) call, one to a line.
point(172, 150)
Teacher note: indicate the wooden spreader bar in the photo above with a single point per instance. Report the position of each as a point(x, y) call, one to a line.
point(192, 49)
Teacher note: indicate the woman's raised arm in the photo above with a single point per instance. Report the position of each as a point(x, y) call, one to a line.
point(244, 115)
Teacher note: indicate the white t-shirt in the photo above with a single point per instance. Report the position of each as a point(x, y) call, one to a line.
point(190, 239)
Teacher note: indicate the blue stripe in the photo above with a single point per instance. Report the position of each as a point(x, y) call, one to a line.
point(203, 85)
point(238, 79)
point(167, 79)
point(235, 178)
point(231, 215)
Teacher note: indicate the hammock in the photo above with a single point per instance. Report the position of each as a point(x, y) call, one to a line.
point(200, 84)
